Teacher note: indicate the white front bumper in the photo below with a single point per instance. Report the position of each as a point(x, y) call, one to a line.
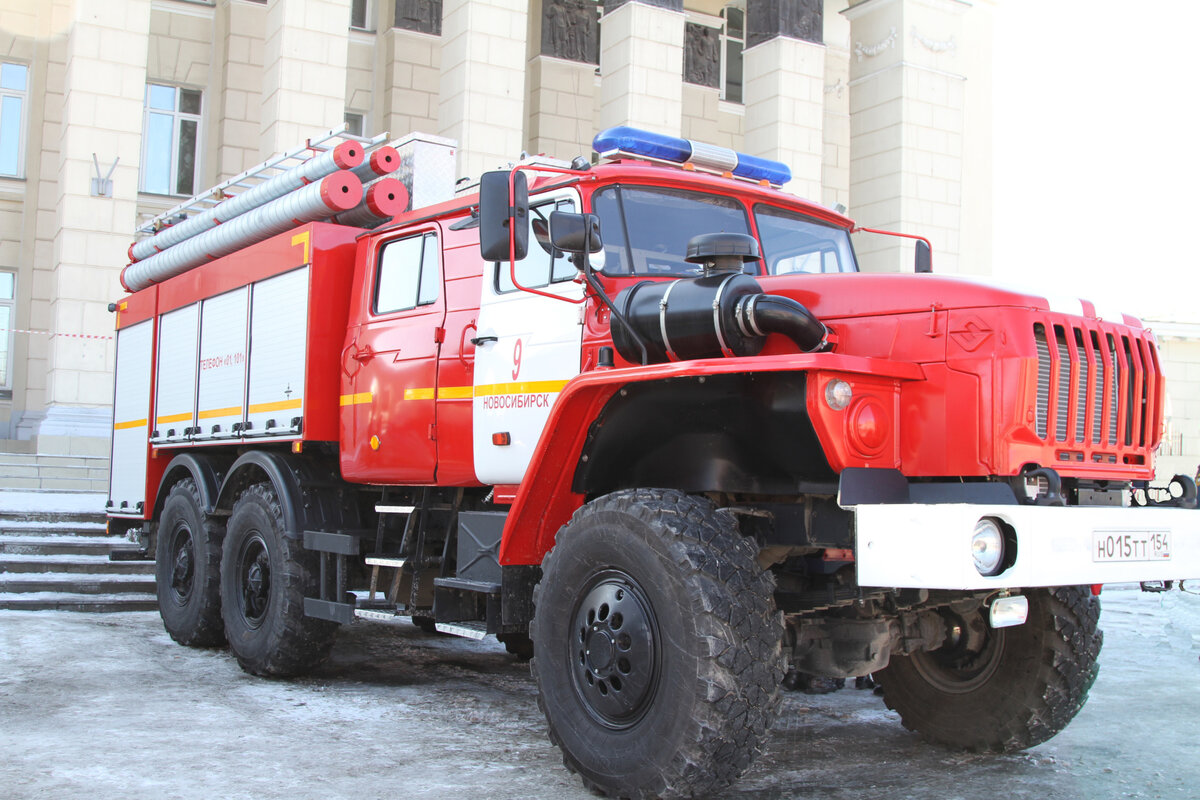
point(916, 546)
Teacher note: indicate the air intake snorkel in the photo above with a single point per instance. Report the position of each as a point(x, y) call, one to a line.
point(724, 312)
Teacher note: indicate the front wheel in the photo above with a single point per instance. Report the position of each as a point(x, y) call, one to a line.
point(657, 646)
point(265, 577)
point(1005, 689)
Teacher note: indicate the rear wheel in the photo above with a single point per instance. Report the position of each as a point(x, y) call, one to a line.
point(187, 575)
point(656, 646)
point(265, 577)
point(1001, 689)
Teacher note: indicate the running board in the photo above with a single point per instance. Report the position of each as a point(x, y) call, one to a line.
point(468, 630)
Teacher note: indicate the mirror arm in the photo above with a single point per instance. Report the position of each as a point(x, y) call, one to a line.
point(895, 233)
point(512, 240)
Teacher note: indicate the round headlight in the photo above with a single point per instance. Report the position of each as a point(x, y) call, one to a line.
point(838, 394)
point(987, 547)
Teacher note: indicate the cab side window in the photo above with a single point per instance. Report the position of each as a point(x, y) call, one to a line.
point(544, 264)
point(407, 274)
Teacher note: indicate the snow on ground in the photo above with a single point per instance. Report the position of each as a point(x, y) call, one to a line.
point(107, 706)
point(51, 501)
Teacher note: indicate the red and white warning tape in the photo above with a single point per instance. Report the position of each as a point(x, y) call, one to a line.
point(52, 333)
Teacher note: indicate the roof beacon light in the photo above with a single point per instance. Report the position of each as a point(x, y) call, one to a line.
point(647, 144)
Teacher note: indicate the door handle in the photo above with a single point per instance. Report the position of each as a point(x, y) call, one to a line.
point(478, 340)
point(364, 355)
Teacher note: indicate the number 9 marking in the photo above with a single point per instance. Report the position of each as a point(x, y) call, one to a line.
point(516, 359)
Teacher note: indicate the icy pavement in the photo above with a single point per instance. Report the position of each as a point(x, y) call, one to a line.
point(107, 706)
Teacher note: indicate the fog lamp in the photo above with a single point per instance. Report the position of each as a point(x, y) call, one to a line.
point(838, 394)
point(987, 547)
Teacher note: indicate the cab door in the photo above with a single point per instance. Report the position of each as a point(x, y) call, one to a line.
point(527, 347)
point(391, 364)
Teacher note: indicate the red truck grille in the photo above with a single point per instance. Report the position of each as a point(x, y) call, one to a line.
point(1096, 385)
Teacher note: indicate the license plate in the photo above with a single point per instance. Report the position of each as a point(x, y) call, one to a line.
point(1131, 545)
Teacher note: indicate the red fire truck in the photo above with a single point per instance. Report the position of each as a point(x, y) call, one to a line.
point(645, 421)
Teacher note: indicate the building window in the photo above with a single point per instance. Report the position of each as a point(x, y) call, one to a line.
point(360, 14)
point(8, 293)
point(733, 42)
point(14, 85)
point(355, 123)
point(423, 16)
point(170, 140)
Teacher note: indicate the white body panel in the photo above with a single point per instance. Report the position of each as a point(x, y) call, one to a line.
point(175, 403)
point(222, 384)
point(929, 546)
point(131, 419)
point(519, 376)
point(278, 341)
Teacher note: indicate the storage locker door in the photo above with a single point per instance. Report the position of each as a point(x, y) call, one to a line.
point(278, 340)
point(131, 419)
point(222, 382)
point(175, 406)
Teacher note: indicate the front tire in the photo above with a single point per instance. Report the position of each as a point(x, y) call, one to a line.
point(657, 646)
point(187, 569)
point(265, 577)
point(1018, 688)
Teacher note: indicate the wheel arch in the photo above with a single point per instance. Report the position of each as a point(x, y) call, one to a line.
point(310, 491)
point(204, 470)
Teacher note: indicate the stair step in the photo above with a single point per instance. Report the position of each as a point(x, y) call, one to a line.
point(75, 583)
point(71, 601)
point(75, 564)
point(41, 528)
point(469, 630)
point(59, 545)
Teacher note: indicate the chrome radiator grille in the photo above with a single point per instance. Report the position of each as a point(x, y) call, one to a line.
point(1095, 386)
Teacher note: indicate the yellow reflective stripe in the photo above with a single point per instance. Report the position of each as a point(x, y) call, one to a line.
point(133, 423)
point(454, 392)
point(305, 239)
point(221, 412)
point(525, 387)
point(355, 399)
point(418, 394)
point(281, 405)
point(169, 418)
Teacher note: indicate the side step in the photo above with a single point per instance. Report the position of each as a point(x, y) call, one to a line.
point(335, 603)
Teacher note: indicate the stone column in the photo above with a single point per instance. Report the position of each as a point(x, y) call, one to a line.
point(835, 176)
point(906, 128)
point(482, 101)
point(236, 88)
point(105, 78)
point(565, 36)
point(641, 65)
point(408, 68)
point(785, 88)
point(304, 71)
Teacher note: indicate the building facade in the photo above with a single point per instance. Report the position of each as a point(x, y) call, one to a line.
point(112, 110)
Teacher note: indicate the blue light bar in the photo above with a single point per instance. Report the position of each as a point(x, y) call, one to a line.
point(680, 151)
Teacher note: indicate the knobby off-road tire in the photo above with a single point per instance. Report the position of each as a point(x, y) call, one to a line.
point(187, 569)
point(1024, 685)
point(264, 579)
point(657, 646)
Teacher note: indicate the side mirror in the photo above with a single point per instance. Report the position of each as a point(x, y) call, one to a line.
point(496, 222)
point(924, 257)
point(575, 233)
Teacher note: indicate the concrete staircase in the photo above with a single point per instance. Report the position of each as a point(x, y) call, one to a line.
point(22, 468)
point(65, 560)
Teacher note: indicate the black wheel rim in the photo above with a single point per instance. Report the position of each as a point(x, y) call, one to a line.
point(613, 650)
point(254, 579)
point(183, 565)
point(955, 669)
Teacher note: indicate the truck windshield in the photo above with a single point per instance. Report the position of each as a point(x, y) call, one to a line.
point(646, 232)
point(792, 242)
